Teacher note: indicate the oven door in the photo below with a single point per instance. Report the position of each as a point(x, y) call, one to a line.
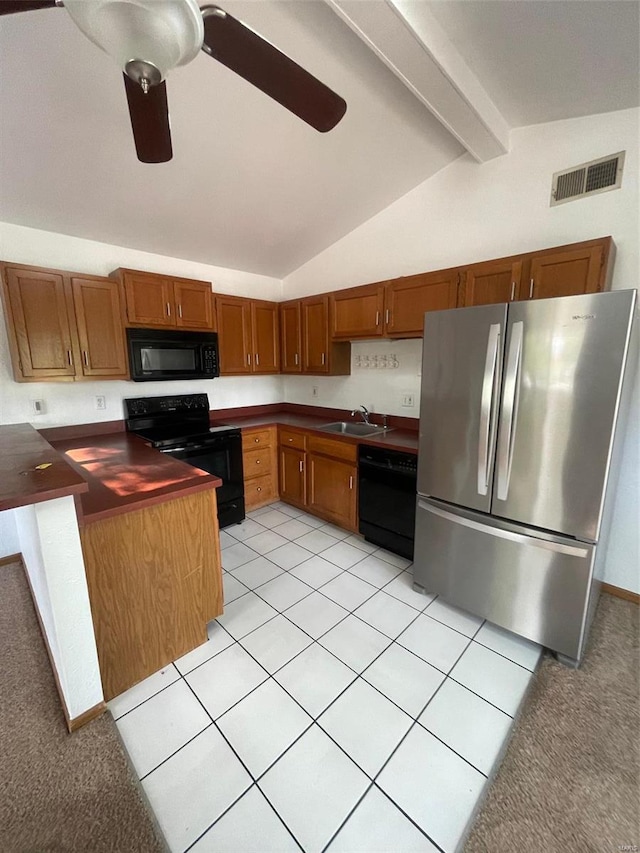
point(220, 455)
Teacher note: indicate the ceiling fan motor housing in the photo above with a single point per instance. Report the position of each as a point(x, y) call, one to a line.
point(142, 34)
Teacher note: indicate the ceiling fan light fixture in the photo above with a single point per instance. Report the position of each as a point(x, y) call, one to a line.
point(162, 33)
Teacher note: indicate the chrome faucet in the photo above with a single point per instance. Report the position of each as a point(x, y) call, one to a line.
point(364, 414)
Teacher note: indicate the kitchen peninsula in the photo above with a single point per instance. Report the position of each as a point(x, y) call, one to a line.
point(93, 567)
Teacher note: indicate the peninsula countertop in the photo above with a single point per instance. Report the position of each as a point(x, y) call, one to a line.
point(32, 471)
point(123, 473)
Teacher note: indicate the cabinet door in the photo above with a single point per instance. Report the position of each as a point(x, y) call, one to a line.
point(100, 328)
point(149, 300)
point(565, 273)
point(265, 337)
point(357, 312)
point(193, 305)
point(493, 281)
point(40, 319)
point(292, 475)
point(315, 334)
point(409, 298)
point(234, 334)
point(290, 337)
point(331, 489)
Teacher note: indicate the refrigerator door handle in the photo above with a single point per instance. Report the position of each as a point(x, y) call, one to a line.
point(509, 418)
point(520, 538)
point(486, 432)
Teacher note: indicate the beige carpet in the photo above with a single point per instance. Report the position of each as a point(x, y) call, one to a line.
point(570, 780)
point(58, 792)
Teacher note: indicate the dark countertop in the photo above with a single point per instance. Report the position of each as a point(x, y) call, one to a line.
point(394, 439)
point(22, 450)
point(123, 473)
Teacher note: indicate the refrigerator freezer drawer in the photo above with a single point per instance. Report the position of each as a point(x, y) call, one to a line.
point(536, 586)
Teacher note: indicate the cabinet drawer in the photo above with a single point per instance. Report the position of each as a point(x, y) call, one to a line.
point(259, 490)
point(257, 462)
point(330, 447)
point(293, 439)
point(257, 438)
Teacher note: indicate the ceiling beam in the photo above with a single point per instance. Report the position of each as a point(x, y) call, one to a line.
point(408, 39)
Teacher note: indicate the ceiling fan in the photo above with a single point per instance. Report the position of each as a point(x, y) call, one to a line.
point(150, 37)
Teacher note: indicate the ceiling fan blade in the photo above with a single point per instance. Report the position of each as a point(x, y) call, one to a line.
point(8, 7)
point(260, 63)
point(149, 121)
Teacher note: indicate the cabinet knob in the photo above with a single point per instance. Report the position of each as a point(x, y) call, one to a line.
point(257, 461)
point(290, 439)
point(258, 488)
point(257, 440)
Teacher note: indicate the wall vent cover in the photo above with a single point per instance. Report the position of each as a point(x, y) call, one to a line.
point(597, 176)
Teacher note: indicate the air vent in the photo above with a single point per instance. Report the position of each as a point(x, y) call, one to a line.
point(597, 176)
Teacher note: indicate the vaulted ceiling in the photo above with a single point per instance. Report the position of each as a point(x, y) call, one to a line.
point(252, 187)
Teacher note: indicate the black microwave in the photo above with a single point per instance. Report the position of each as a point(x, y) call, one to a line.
point(158, 354)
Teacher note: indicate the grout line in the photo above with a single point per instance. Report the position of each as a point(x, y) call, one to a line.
point(506, 657)
point(144, 701)
point(176, 751)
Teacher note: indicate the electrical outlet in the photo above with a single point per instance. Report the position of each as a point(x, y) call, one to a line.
point(314, 391)
point(37, 407)
point(101, 402)
point(408, 400)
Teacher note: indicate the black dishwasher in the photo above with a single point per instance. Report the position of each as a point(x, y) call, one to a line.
point(387, 498)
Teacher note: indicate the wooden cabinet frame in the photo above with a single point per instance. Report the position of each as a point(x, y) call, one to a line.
point(160, 301)
point(74, 332)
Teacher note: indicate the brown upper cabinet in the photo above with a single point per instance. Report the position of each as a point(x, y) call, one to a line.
point(491, 281)
point(63, 326)
point(248, 336)
point(358, 311)
point(561, 271)
point(569, 270)
point(291, 336)
point(407, 300)
point(164, 301)
point(305, 344)
point(392, 308)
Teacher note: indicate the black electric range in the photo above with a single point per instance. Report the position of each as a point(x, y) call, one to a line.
point(179, 426)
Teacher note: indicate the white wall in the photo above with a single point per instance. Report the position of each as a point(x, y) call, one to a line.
point(9, 543)
point(50, 545)
point(380, 390)
point(74, 402)
point(470, 212)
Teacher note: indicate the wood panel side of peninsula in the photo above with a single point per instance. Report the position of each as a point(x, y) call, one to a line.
point(155, 580)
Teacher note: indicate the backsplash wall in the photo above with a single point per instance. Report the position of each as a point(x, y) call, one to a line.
point(380, 390)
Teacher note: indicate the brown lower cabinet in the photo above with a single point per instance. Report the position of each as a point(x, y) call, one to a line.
point(259, 460)
point(319, 474)
point(154, 580)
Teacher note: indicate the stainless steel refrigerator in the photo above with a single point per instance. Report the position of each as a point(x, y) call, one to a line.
point(519, 408)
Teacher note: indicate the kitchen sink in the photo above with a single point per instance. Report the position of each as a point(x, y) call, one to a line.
point(361, 430)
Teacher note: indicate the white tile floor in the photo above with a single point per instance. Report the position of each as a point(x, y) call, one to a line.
point(332, 708)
